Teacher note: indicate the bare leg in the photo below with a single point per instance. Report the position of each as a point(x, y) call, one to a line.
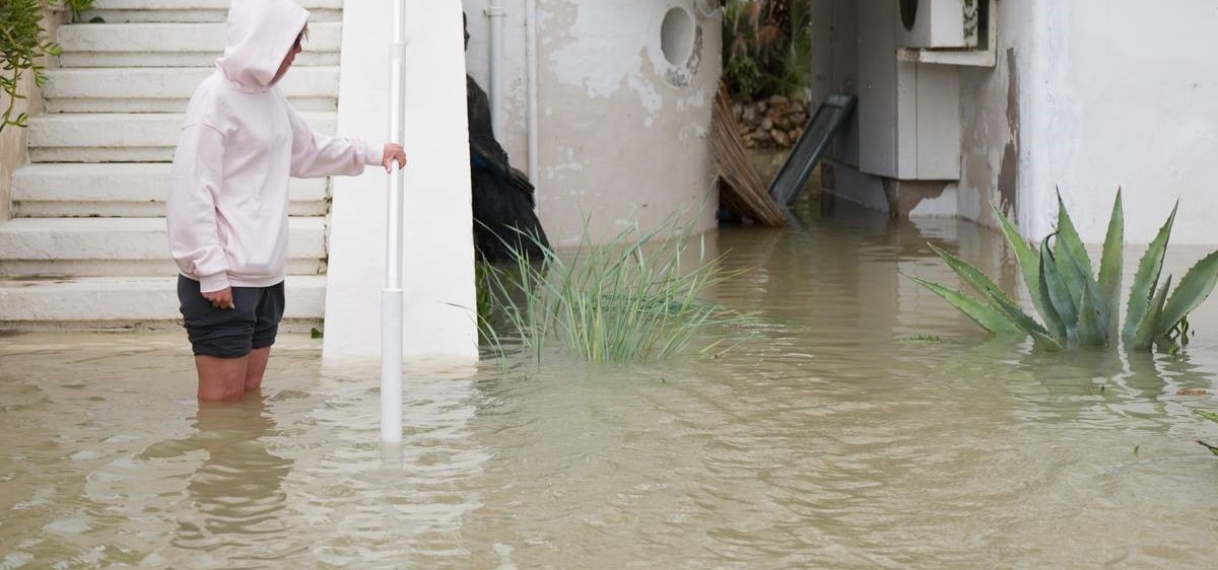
point(221, 379)
point(257, 367)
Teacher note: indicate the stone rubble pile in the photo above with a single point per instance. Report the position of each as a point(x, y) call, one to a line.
point(773, 123)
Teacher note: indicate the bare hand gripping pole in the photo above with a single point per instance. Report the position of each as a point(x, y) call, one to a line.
point(392, 300)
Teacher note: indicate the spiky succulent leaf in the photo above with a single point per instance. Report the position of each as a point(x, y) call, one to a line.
point(1057, 291)
point(986, 317)
point(1211, 416)
point(1147, 332)
point(1073, 263)
point(1029, 266)
point(1079, 276)
point(1091, 329)
point(1146, 279)
point(1196, 285)
point(1111, 267)
point(990, 293)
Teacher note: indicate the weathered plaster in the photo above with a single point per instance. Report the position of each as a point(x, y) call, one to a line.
point(623, 145)
point(622, 134)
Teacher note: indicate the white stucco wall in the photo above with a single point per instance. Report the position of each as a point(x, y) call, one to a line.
point(1138, 95)
point(1097, 95)
point(438, 249)
point(622, 132)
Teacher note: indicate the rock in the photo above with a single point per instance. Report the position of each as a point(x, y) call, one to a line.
point(750, 115)
point(779, 100)
point(767, 124)
point(781, 139)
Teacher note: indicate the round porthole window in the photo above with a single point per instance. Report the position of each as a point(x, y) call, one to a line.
point(677, 36)
point(909, 13)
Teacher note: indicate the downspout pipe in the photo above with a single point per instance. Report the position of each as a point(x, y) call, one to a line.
point(530, 46)
point(496, 13)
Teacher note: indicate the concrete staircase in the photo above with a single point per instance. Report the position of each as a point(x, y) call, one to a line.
point(87, 246)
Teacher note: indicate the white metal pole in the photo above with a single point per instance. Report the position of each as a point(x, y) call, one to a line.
point(391, 297)
point(496, 12)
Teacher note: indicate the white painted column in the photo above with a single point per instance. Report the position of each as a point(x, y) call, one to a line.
point(440, 318)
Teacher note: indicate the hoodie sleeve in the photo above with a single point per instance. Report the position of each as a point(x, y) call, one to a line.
point(190, 210)
point(315, 155)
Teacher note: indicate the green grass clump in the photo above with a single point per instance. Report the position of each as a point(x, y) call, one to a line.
point(630, 299)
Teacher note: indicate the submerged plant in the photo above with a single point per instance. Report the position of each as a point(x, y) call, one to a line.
point(629, 299)
point(1079, 307)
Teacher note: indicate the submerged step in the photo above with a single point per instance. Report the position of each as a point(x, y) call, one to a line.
point(122, 190)
point(168, 89)
point(174, 45)
point(125, 302)
point(120, 137)
point(71, 247)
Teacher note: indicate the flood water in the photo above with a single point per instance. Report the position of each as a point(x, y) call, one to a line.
point(856, 421)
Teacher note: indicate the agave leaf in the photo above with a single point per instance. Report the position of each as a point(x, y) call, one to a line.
point(1075, 268)
point(1211, 416)
point(1029, 265)
point(1145, 334)
point(1146, 279)
point(1110, 266)
point(991, 293)
point(1057, 291)
point(1192, 290)
point(985, 317)
point(1090, 328)
point(1072, 271)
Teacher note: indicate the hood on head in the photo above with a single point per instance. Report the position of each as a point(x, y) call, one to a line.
point(260, 33)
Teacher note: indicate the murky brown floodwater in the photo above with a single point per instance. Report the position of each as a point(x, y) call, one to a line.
point(834, 434)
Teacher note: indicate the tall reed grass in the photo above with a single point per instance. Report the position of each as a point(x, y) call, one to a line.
point(634, 298)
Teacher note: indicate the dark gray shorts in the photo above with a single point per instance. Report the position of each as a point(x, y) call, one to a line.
point(231, 333)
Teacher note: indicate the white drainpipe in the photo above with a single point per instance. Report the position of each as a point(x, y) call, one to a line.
point(496, 13)
point(530, 18)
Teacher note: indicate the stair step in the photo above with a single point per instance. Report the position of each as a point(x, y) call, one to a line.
point(127, 302)
point(174, 45)
point(114, 11)
point(109, 247)
point(122, 190)
point(168, 89)
point(120, 137)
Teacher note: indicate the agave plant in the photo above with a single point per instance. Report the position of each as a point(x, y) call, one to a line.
point(1077, 306)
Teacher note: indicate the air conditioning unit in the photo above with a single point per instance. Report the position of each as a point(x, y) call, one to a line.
point(938, 24)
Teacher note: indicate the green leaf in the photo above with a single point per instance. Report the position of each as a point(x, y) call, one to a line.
point(991, 293)
point(1211, 416)
point(1077, 261)
point(1196, 285)
point(986, 317)
point(1111, 267)
point(1029, 266)
point(1055, 288)
point(1145, 335)
point(1146, 279)
point(1090, 327)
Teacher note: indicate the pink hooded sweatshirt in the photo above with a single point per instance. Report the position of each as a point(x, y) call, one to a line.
point(227, 205)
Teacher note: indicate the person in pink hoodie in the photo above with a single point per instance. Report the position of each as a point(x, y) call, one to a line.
point(227, 204)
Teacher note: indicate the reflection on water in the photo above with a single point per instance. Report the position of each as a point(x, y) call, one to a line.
point(856, 421)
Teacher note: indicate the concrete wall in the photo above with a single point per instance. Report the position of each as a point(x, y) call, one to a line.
point(1087, 96)
point(623, 132)
point(13, 151)
point(1136, 98)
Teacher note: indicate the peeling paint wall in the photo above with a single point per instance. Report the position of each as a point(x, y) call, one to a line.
point(1089, 97)
point(623, 131)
